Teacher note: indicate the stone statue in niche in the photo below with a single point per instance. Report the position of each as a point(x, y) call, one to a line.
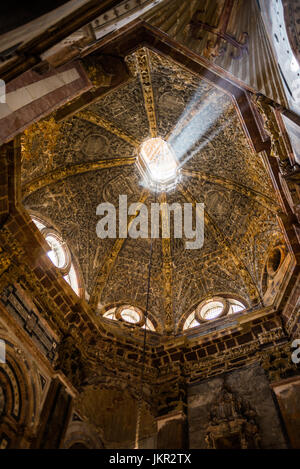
point(232, 423)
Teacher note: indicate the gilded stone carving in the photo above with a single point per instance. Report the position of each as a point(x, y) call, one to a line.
point(264, 200)
point(95, 162)
point(80, 142)
point(94, 144)
point(4, 261)
point(96, 73)
point(60, 174)
point(232, 423)
point(222, 240)
point(126, 110)
point(278, 149)
point(69, 360)
point(111, 127)
point(41, 137)
point(108, 264)
point(143, 64)
point(167, 270)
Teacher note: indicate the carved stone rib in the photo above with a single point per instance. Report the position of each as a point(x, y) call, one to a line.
point(143, 66)
point(107, 125)
point(222, 240)
point(67, 171)
point(110, 260)
point(260, 198)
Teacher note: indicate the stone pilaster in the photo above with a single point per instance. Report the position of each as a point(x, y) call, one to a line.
point(55, 417)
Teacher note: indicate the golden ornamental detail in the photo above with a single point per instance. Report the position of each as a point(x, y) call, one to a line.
point(167, 270)
point(278, 149)
point(143, 65)
point(39, 139)
point(109, 126)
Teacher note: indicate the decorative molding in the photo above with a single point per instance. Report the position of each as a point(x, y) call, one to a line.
point(143, 64)
point(260, 198)
point(109, 262)
point(167, 269)
point(110, 126)
point(40, 137)
point(71, 170)
point(232, 423)
point(222, 240)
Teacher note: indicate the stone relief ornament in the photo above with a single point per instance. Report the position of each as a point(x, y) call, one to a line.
point(232, 423)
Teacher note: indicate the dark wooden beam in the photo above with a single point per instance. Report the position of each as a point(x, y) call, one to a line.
point(28, 55)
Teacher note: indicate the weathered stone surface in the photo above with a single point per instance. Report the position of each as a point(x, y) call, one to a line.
point(250, 384)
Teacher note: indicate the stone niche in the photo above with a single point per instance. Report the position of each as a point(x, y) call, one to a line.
point(234, 411)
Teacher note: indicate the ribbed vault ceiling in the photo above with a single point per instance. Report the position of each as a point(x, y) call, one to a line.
point(94, 161)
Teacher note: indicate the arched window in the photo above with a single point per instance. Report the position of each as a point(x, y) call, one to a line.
point(129, 315)
point(110, 314)
point(211, 309)
point(72, 280)
point(59, 254)
point(235, 307)
point(191, 322)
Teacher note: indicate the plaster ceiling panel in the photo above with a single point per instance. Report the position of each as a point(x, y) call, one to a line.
point(222, 149)
point(176, 91)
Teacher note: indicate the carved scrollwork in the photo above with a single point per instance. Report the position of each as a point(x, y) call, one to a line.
point(278, 364)
point(232, 423)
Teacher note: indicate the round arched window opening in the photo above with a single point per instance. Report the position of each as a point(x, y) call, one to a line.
point(110, 314)
point(129, 315)
point(191, 322)
point(212, 309)
point(235, 306)
point(274, 260)
point(59, 254)
point(71, 279)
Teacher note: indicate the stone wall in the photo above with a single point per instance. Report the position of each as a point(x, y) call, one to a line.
point(287, 393)
point(251, 385)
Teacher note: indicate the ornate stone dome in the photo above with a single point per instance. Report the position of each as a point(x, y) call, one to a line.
point(94, 160)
